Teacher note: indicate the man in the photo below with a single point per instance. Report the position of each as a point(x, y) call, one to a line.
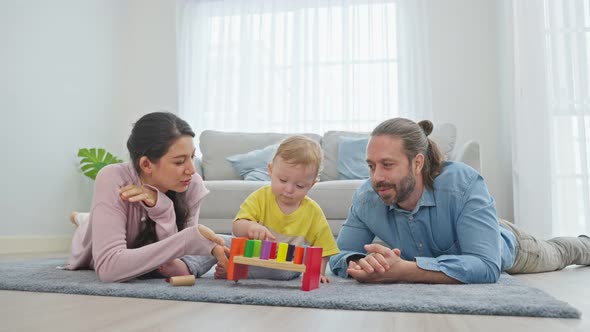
point(438, 217)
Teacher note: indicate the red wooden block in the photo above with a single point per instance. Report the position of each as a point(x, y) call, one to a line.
point(313, 266)
point(273, 250)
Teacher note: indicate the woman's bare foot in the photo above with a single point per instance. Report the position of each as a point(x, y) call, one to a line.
point(174, 268)
point(73, 218)
point(79, 218)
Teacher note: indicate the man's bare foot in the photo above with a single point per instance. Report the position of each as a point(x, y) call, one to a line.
point(220, 272)
point(174, 268)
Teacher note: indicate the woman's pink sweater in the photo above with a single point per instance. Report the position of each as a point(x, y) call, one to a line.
point(104, 242)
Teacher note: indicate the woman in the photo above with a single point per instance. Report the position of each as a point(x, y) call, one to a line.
point(144, 213)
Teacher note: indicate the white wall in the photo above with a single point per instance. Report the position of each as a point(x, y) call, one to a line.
point(466, 76)
point(72, 74)
point(78, 73)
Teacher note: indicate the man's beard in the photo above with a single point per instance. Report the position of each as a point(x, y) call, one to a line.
point(401, 194)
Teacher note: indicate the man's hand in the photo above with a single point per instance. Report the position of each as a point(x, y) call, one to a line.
point(134, 193)
point(258, 232)
point(385, 265)
point(380, 265)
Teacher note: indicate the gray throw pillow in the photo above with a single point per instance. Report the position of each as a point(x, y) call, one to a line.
point(352, 160)
point(253, 166)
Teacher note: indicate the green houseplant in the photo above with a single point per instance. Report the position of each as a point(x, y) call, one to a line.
point(93, 159)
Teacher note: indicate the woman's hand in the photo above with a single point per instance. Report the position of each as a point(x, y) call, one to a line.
point(220, 251)
point(134, 193)
point(211, 236)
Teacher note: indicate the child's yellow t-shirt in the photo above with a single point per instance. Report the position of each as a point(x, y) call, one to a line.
point(305, 226)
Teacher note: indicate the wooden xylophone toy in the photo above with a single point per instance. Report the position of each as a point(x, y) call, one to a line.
point(281, 256)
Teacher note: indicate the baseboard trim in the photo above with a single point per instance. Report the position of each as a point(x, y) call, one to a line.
point(32, 244)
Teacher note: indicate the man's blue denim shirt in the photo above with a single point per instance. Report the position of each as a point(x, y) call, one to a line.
point(453, 229)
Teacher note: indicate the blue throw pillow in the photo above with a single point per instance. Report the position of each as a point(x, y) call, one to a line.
point(352, 158)
point(253, 166)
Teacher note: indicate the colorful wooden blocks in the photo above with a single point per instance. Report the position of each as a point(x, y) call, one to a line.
point(244, 252)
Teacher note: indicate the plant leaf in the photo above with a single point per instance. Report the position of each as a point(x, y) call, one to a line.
point(94, 159)
point(110, 159)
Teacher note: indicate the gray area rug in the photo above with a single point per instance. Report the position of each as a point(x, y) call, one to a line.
point(509, 297)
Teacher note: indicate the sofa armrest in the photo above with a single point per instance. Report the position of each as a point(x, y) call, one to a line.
point(199, 166)
point(469, 154)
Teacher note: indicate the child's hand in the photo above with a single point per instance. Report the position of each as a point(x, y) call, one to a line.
point(258, 232)
point(324, 279)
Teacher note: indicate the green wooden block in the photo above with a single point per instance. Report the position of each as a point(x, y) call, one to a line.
point(249, 248)
point(257, 245)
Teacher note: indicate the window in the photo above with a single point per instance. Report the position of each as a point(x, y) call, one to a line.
point(552, 117)
point(287, 66)
point(567, 50)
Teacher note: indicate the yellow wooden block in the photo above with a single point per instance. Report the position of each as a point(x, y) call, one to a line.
point(282, 252)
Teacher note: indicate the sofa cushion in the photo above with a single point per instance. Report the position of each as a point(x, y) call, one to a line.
point(216, 146)
point(335, 197)
point(226, 196)
point(253, 166)
point(330, 144)
point(469, 154)
point(352, 155)
point(445, 135)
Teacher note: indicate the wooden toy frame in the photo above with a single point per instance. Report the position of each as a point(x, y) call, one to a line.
point(238, 264)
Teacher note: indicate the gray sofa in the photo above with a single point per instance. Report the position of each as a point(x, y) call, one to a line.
point(228, 190)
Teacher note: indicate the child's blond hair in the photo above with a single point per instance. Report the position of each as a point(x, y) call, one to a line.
point(300, 150)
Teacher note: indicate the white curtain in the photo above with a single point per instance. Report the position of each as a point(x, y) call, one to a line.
point(302, 66)
point(551, 122)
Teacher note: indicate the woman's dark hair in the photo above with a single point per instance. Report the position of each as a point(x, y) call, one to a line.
point(415, 139)
point(151, 136)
